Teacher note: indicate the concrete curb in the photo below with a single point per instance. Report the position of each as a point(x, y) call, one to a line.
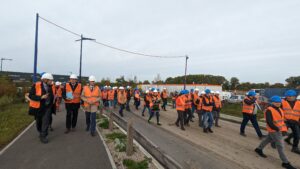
point(17, 138)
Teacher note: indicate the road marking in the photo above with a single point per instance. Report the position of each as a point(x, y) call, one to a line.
point(17, 138)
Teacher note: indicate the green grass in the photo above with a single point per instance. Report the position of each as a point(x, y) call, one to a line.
point(114, 135)
point(104, 123)
point(13, 119)
point(236, 110)
point(130, 164)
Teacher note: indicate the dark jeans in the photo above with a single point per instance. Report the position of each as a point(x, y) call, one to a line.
point(72, 114)
point(180, 118)
point(122, 106)
point(127, 105)
point(156, 112)
point(253, 119)
point(200, 112)
point(90, 118)
point(188, 116)
point(137, 104)
point(149, 110)
point(42, 121)
point(165, 102)
point(295, 132)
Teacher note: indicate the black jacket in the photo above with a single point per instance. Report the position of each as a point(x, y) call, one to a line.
point(45, 103)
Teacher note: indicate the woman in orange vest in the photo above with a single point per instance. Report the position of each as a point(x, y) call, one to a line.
point(248, 109)
point(291, 108)
point(122, 99)
point(40, 104)
point(217, 107)
point(207, 107)
point(71, 94)
point(164, 97)
point(180, 107)
point(276, 128)
point(91, 95)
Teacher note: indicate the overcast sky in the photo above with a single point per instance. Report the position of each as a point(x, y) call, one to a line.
point(254, 40)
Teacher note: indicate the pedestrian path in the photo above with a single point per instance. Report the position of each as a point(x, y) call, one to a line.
point(76, 150)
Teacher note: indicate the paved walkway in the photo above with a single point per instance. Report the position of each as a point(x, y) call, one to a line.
point(76, 150)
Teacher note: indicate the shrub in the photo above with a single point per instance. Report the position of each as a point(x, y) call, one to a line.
point(104, 123)
point(130, 164)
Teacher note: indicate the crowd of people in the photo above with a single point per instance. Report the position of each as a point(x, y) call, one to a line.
point(46, 96)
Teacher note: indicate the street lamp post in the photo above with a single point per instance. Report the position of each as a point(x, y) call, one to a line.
point(80, 65)
point(186, 58)
point(2, 59)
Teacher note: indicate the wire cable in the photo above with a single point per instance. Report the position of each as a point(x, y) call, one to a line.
point(109, 46)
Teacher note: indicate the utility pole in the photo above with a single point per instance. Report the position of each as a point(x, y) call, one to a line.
point(2, 59)
point(34, 79)
point(186, 58)
point(80, 64)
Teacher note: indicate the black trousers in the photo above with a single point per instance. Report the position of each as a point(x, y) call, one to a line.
point(42, 121)
point(180, 118)
point(188, 116)
point(72, 114)
point(295, 132)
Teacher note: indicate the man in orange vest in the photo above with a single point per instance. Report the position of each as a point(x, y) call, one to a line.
point(104, 96)
point(248, 109)
point(129, 95)
point(291, 108)
point(58, 95)
point(71, 94)
point(164, 97)
point(115, 96)
point(147, 102)
point(276, 127)
point(198, 105)
point(91, 95)
point(137, 98)
point(217, 107)
point(122, 100)
point(155, 107)
point(41, 102)
point(174, 97)
point(207, 107)
point(110, 97)
point(180, 107)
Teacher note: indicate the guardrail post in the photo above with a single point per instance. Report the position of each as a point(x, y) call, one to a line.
point(111, 121)
point(129, 146)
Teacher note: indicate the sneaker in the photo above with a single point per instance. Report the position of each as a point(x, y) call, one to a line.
point(288, 141)
point(296, 150)
point(288, 166)
point(182, 128)
point(205, 130)
point(67, 131)
point(44, 140)
point(93, 134)
point(209, 129)
point(159, 124)
point(218, 125)
point(243, 134)
point(260, 153)
point(177, 124)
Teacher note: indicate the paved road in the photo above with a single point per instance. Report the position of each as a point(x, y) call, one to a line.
point(179, 149)
point(76, 150)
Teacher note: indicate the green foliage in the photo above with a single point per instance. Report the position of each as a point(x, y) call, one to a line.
point(6, 100)
point(199, 79)
point(114, 135)
point(13, 119)
point(293, 81)
point(130, 164)
point(7, 87)
point(235, 109)
point(104, 123)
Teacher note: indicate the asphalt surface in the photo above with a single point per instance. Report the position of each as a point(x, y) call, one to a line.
point(76, 150)
point(185, 153)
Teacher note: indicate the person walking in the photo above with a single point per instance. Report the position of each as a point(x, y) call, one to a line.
point(122, 100)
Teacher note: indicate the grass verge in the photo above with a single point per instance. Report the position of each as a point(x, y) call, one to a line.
point(236, 110)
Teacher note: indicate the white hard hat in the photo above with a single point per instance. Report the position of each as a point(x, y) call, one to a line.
point(298, 97)
point(109, 87)
point(73, 76)
point(155, 91)
point(164, 88)
point(128, 87)
point(212, 92)
point(217, 92)
point(121, 88)
point(105, 87)
point(147, 91)
point(196, 89)
point(57, 83)
point(47, 76)
point(203, 92)
point(92, 78)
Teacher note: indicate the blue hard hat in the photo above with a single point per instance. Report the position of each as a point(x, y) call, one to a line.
point(192, 90)
point(158, 90)
point(152, 89)
point(290, 93)
point(275, 99)
point(251, 93)
point(186, 91)
point(207, 91)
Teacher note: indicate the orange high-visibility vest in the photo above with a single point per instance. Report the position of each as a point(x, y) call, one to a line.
point(207, 100)
point(289, 112)
point(164, 95)
point(76, 93)
point(199, 106)
point(110, 95)
point(38, 92)
point(104, 94)
point(91, 95)
point(278, 120)
point(181, 102)
point(188, 102)
point(247, 108)
point(217, 101)
point(54, 91)
point(137, 96)
point(195, 97)
point(122, 97)
point(59, 92)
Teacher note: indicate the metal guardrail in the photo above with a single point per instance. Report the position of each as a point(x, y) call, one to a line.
point(153, 149)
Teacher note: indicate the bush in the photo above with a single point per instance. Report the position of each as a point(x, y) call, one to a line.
point(115, 135)
point(6, 100)
point(7, 88)
point(104, 123)
point(130, 164)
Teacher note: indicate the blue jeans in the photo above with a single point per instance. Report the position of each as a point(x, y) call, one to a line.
point(193, 108)
point(110, 103)
point(91, 121)
point(208, 119)
point(149, 110)
point(115, 102)
point(253, 119)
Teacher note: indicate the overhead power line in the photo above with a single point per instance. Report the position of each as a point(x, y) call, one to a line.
point(109, 46)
